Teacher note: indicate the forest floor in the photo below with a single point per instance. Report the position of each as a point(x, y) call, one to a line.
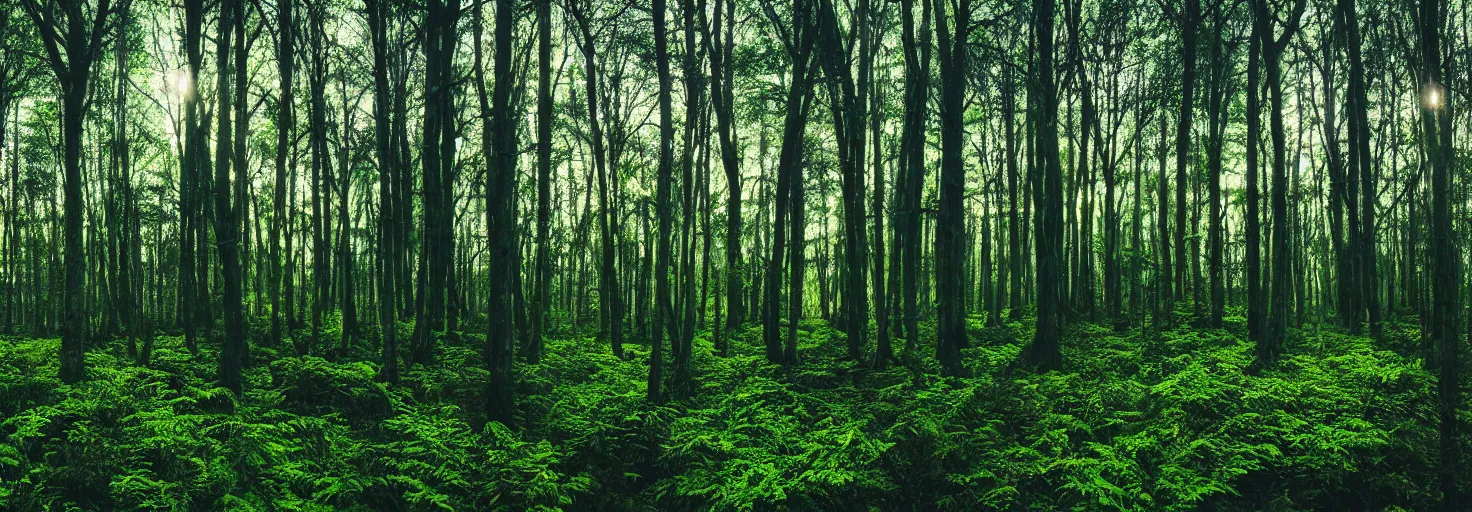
point(1141, 420)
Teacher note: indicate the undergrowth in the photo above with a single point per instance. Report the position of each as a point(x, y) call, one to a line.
point(1143, 420)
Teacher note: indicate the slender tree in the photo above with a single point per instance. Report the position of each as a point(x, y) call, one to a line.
point(1048, 188)
point(73, 39)
point(661, 202)
point(387, 318)
point(545, 113)
point(952, 30)
point(227, 230)
point(1445, 324)
point(500, 217)
point(722, 84)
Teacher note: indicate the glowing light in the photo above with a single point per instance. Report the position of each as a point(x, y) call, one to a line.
point(1431, 96)
point(177, 82)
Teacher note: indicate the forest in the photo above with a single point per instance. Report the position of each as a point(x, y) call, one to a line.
point(403, 255)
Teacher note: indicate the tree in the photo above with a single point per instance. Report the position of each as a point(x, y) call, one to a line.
point(912, 159)
point(286, 61)
point(1360, 162)
point(387, 321)
point(1445, 324)
point(227, 229)
point(870, 43)
point(1014, 222)
point(609, 301)
point(799, 40)
point(1189, 20)
point(1048, 188)
point(848, 106)
point(544, 180)
point(321, 165)
point(722, 84)
point(500, 218)
point(441, 19)
point(1256, 320)
point(73, 39)
point(1272, 48)
point(950, 245)
point(661, 202)
point(1216, 119)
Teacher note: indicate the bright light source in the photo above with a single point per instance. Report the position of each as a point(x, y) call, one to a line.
point(177, 82)
point(1431, 96)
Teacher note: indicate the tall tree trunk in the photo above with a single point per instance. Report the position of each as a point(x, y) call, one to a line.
point(950, 244)
point(798, 255)
point(544, 180)
point(917, 92)
point(227, 231)
point(285, 54)
point(500, 216)
point(321, 165)
point(662, 199)
point(1048, 186)
point(1436, 136)
point(608, 277)
point(429, 308)
point(721, 85)
point(386, 280)
point(789, 167)
point(1014, 222)
point(1358, 107)
point(1251, 227)
point(849, 103)
point(189, 176)
point(346, 286)
point(1272, 51)
point(127, 297)
point(883, 350)
point(1189, 22)
point(1214, 178)
point(1164, 308)
point(80, 41)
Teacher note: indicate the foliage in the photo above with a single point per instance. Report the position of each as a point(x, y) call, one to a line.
point(1172, 420)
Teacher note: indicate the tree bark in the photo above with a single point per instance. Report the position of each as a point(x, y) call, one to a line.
point(1048, 187)
point(661, 205)
point(500, 218)
point(950, 244)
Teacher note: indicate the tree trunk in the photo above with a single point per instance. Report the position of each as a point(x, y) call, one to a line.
point(950, 244)
point(227, 231)
point(1358, 107)
point(387, 321)
point(500, 215)
point(1436, 134)
point(544, 180)
point(721, 85)
point(661, 204)
point(1183, 135)
point(917, 92)
point(80, 41)
point(1048, 188)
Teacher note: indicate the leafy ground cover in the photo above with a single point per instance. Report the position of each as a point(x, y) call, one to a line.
point(1143, 420)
